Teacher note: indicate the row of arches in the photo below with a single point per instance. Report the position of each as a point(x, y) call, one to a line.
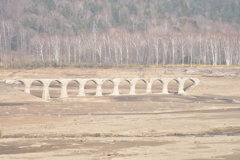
point(55, 88)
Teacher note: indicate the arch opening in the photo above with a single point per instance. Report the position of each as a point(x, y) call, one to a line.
point(55, 89)
point(107, 87)
point(19, 85)
point(141, 87)
point(188, 84)
point(157, 87)
point(124, 87)
point(36, 88)
point(90, 88)
point(73, 88)
point(173, 87)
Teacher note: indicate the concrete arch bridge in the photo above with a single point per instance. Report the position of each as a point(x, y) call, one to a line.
point(100, 81)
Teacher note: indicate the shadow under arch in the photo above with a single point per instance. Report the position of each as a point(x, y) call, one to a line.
point(90, 87)
point(173, 86)
point(157, 86)
point(19, 85)
point(107, 87)
point(141, 86)
point(55, 88)
point(36, 88)
point(124, 87)
point(188, 84)
point(73, 88)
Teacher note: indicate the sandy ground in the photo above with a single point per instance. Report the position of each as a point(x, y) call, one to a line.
point(201, 125)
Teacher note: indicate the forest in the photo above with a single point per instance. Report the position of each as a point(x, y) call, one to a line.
point(51, 33)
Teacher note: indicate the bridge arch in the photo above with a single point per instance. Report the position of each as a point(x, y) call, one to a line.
point(141, 86)
point(90, 87)
point(173, 86)
point(36, 88)
point(124, 86)
point(189, 82)
point(194, 80)
point(107, 87)
point(157, 86)
point(73, 87)
point(54, 88)
point(20, 85)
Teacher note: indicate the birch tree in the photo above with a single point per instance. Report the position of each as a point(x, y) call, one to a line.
point(67, 43)
point(39, 42)
point(174, 45)
point(165, 44)
point(156, 48)
point(56, 42)
point(127, 41)
point(191, 45)
point(183, 48)
point(136, 44)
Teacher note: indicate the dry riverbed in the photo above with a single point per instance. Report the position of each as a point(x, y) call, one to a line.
point(201, 125)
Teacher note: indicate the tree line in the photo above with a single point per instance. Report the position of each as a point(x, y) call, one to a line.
point(119, 47)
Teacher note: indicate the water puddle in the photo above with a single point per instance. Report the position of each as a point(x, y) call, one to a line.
point(156, 113)
point(12, 104)
point(208, 134)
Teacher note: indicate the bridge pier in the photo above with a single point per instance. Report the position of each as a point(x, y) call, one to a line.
point(27, 84)
point(27, 88)
point(165, 82)
point(132, 89)
point(181, 83)
point(99, 90)
point(115, 90)
point(64, 84)
point(81, 90)
point(45, 94)
point(82, 83)
point(133, 83)
point(116, 83)
point(149, 88)
point(99, 83)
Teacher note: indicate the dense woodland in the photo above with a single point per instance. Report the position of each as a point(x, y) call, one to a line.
point(37, 33)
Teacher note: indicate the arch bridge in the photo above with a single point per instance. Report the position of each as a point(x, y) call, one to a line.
point(100, 81)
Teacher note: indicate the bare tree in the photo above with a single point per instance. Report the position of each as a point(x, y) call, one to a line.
point(1, 51)
point(99, 48)
point(165, 44)
point(127, 43)
point(67, 43)
point(79, 42)
point(135, 22)
point(174, 41)
point(183, 46)
point(56, 42)
point(156, 47)
point(227, 50)
point(120, 47)
point(191, 45)
point(39, 42)
point(136, 43)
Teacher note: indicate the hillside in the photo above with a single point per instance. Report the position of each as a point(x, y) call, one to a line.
point(38, 33)
point(70, 17)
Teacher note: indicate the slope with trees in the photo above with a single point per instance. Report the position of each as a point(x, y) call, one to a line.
point(160, 32)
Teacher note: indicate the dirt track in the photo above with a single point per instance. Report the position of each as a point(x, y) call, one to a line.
point(201, 125)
